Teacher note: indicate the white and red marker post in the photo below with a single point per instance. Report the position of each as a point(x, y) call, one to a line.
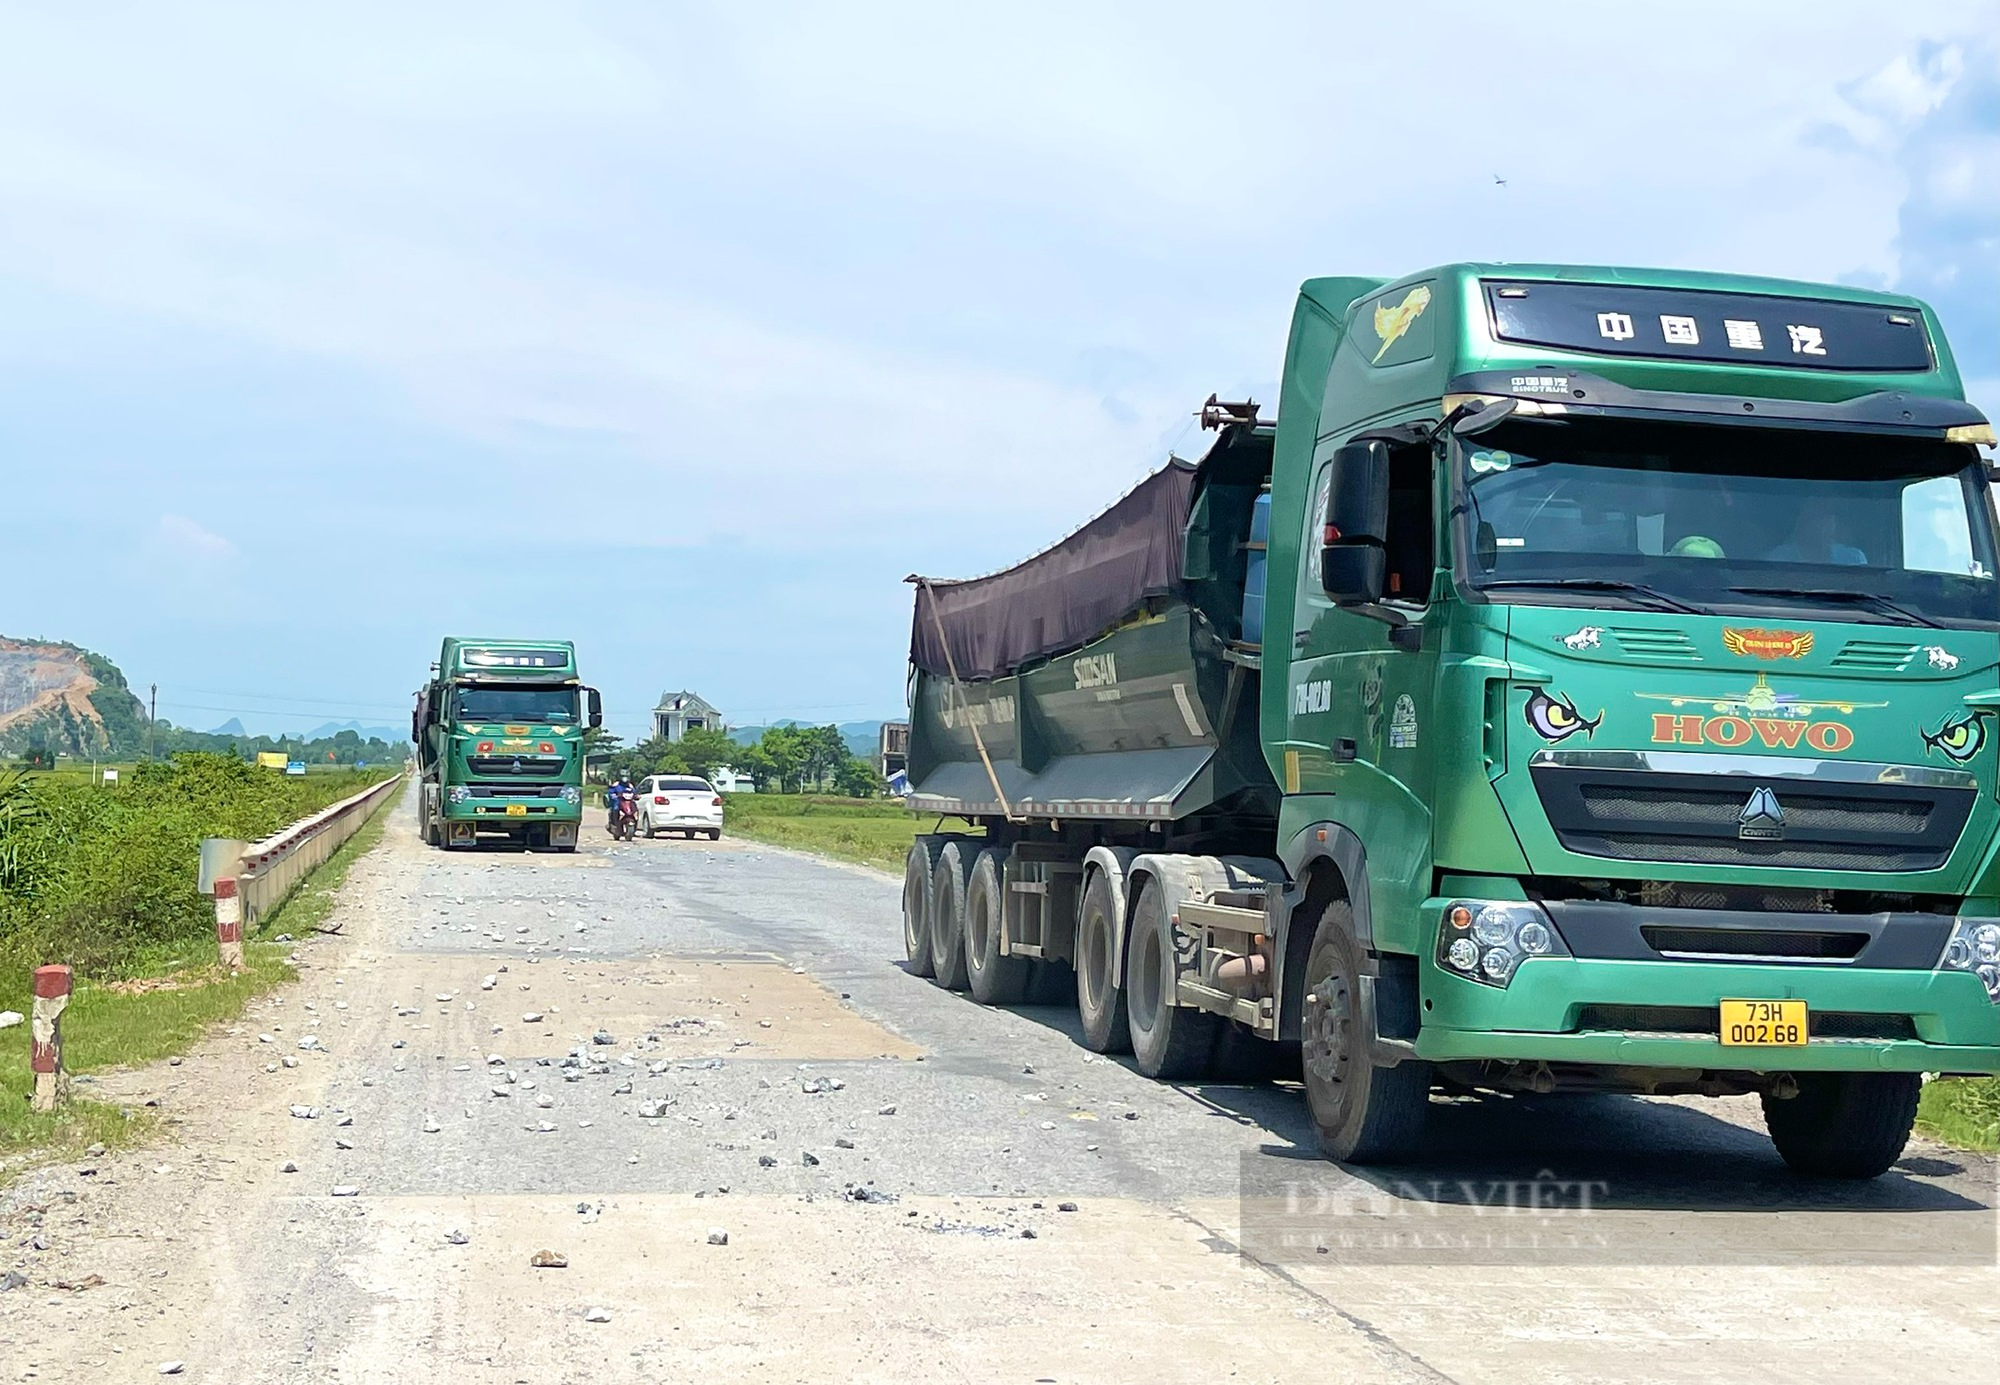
point(52, 987)
point(229, 923)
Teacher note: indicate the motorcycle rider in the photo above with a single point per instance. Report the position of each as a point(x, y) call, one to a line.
point(615, 799)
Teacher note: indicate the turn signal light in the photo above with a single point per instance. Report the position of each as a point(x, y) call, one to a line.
point(546, 748)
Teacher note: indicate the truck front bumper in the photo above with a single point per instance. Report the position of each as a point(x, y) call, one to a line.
point(1555, 1007)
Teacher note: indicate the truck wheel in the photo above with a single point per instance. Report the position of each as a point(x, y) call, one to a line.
point(917, 869)
point(947, 915)
point(1100, 1002)
point(992, 979)
point(1365, 1114)
point(1169, 1040)
point(1844, 1124)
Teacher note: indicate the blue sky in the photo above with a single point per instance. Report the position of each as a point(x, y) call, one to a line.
point(687, 331)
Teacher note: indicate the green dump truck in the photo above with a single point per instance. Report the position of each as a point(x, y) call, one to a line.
point(1588, 681)
point(499, 733)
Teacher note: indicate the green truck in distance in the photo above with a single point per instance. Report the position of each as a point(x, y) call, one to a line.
point(1588, 681)
point(499, 733)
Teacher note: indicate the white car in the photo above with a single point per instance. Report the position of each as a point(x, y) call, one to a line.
point(679, 803)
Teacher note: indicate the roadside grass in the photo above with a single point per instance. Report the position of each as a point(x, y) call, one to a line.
point(868, 831)
point(1963, 1111)
point(165, 1000)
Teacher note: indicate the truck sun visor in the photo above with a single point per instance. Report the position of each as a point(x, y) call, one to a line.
point(1063, 596)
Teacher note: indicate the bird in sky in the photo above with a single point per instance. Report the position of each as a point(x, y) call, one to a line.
point(1498, 180)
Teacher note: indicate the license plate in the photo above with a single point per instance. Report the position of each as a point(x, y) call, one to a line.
point(517, 810)
point(1763, 1024)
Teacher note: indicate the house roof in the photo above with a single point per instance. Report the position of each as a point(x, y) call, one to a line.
point(686, 702)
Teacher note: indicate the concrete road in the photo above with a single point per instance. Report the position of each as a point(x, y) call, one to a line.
point(616, 1056)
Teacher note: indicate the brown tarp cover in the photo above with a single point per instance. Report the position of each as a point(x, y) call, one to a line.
point(1064, 596)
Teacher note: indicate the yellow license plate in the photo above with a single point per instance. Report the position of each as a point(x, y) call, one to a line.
point(1763, 1024)
point(517, 810)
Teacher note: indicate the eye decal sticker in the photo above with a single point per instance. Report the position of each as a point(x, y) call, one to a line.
point(1557, 719)
point(1960, 738)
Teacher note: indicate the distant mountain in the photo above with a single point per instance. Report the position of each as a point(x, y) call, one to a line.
point(391, 734)
point(863, 738)
point(232, 727)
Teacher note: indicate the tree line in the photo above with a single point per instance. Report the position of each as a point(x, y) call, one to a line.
point(786, 759)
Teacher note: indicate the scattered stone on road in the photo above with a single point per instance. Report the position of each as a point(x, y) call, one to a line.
point(717, 1236)
point(548, 1260)
point(598, 1315)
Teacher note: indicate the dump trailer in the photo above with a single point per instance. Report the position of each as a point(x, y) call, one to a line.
point(1587, 682)
point(500, 748)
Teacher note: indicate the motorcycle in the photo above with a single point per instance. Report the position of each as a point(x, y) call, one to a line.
point(624, 819)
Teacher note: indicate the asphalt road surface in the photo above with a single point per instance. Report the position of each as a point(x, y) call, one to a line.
point(624, 1056)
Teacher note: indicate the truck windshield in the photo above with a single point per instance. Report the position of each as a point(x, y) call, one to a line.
point(1737, 519)
point(540, 706)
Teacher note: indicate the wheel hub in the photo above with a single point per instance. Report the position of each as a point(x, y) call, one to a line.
point(1326, 1031)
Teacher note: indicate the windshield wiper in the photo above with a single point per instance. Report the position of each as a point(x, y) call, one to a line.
point(1880, 603)
point(1601, 584)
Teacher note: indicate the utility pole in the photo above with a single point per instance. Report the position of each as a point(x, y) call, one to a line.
point(152, 715)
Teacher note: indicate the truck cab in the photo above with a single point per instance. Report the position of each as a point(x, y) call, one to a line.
point(500, 746)
point(1639, 689)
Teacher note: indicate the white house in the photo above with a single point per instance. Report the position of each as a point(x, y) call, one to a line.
point(682, 712)
point(729, 781)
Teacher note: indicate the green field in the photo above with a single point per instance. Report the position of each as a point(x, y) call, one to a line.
point(868, 831)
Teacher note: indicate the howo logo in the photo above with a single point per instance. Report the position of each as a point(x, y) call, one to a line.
point(1776, 733)
point(1095, 670)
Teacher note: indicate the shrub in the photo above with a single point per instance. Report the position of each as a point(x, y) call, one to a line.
point(98, 876)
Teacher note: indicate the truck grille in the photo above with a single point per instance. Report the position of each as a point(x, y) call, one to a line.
point(1696, 1019)
point(1656, 815)
point(1673, 940)
point(495, 766)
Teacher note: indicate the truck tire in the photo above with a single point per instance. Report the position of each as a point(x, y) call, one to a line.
point(1844, 1124)
point(992, 979)
point(917, 869)
point(1364, 1113)
point(1100, 997)
point(947, 914)
point(1169, 1041)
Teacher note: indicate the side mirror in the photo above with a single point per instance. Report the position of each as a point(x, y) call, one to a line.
point(596, 705)
point(1353, 563)
point(1476, 416)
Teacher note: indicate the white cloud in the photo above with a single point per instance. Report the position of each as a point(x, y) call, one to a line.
point(178, 537)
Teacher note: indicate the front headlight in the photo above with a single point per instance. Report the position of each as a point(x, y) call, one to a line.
point(572, 794)
point(1974, 946)
point(1486, 940)
point(458, 793)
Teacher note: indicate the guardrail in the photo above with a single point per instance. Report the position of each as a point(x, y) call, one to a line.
point(271, 869)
